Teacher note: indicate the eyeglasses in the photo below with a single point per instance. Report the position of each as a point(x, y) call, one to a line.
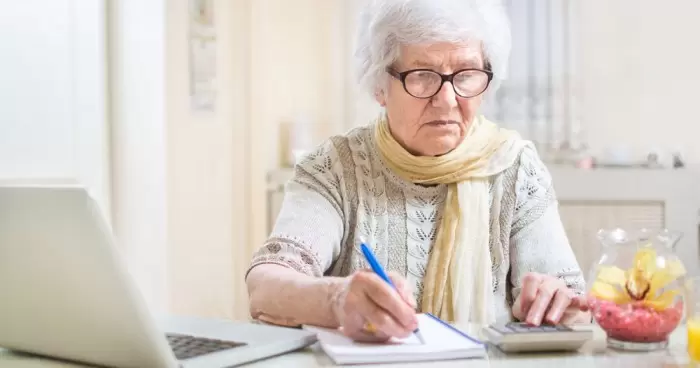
point(426, 83)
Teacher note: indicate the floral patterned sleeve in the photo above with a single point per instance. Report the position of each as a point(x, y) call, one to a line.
point(309, 227)
point(538, 240)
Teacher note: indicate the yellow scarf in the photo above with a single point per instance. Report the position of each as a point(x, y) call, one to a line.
point(457, 286)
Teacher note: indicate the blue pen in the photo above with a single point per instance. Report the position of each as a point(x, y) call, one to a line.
point(377, 268)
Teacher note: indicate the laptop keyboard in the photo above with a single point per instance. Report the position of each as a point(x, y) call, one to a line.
point(185, 346)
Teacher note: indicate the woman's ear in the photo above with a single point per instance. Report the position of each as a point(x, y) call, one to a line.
point(380, 96)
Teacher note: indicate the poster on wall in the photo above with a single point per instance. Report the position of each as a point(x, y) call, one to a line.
point(202, 56)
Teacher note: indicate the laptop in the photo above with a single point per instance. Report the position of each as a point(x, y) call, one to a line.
point(66, 294)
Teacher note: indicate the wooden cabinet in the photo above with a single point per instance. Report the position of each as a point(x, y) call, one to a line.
point(582, 219)
point(590, 200)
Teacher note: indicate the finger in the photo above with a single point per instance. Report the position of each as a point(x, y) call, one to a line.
point(389, 300)
point(368, 288)
point(404, 288)
point(381, 319)
point(354, 328)
point(580, 302)
point(560, 302)
point(528, 292)
point(539, 306)
point(517, 311)
point(362, 336)
point(356, 332)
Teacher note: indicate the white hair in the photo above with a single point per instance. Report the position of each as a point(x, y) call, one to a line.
point(385, 25)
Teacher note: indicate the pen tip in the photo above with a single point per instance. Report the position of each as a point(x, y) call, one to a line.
point(419, 336)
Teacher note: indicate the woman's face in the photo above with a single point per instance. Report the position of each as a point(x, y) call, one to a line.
point(432, 126)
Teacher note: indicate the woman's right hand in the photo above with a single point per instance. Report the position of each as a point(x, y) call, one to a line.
point(365, 298)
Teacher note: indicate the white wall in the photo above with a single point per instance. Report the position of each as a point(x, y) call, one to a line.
point(53, 116)
point(207, 152)
point(640, 75)
point(297, 67)
point(137, 83)
point(180, 176)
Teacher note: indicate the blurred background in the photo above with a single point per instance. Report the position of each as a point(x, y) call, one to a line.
point(183, 117)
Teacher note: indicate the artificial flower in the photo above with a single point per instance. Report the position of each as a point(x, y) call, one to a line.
point(648, 282)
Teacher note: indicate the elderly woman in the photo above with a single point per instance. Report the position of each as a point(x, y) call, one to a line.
point(461, 212)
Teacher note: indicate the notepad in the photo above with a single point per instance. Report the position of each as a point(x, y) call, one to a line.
point(442, 342)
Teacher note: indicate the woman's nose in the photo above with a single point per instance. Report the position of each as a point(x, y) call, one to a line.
point(446, 96)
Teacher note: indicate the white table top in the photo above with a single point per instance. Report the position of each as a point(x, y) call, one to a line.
point(593, 354)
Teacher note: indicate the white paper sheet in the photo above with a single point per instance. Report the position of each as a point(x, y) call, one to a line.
point(441, 342)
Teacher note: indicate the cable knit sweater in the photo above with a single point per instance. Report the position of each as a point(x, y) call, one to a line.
point(343, 192)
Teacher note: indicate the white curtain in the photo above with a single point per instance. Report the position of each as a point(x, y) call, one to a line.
point(539, 97)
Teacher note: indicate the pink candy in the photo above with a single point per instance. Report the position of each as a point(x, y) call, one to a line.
point(636, 322)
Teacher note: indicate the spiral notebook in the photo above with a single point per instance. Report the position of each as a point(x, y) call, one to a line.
point(442, 342)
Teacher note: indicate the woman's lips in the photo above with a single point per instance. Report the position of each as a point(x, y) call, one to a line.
point(440, 123)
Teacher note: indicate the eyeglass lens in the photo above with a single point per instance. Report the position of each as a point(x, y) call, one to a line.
point(424, 83)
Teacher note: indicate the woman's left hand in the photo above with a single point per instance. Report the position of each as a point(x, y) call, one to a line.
point(545, 298)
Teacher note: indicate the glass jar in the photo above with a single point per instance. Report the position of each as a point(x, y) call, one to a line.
point(636, 290)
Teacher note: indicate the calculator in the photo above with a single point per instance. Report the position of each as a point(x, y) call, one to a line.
point(522, 337)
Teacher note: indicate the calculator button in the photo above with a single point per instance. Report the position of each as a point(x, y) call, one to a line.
point(504, 330)
point(519, 327)
point(524, 328)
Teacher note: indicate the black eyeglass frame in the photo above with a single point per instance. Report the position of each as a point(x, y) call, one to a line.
point(401, 76)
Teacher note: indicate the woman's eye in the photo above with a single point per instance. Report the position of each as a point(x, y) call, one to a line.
point(425, 75)
point(463, 77)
